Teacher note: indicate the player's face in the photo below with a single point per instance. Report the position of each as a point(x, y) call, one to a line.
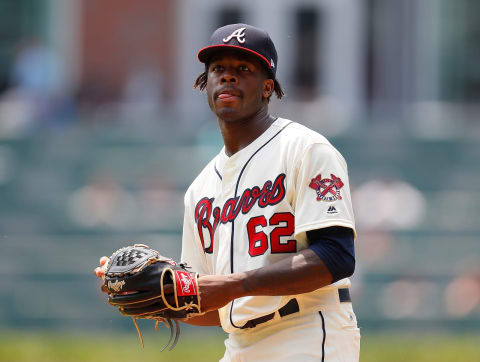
point(237, 86)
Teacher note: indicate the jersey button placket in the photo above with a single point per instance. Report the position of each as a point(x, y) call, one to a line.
point(228, 191)
point(223, 259)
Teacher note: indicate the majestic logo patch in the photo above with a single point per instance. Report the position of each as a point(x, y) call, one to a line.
point(116, 286)
point(328, 189)
point(332, 210)
point(239, 34)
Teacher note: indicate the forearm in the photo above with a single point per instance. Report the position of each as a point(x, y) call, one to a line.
point(297, 274)
point(300, 273)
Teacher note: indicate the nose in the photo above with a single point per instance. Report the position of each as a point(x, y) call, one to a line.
point(229, 77)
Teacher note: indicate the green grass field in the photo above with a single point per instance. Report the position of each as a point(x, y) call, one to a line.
point(42, 347)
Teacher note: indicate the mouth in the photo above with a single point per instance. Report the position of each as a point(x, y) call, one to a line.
point(228, 95)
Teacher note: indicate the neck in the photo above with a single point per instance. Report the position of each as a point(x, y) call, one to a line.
point(240, 133)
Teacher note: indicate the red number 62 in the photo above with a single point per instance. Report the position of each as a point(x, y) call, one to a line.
point(258, 240)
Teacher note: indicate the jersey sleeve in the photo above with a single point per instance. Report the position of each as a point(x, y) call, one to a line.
point(322, 190)
point(192, 251)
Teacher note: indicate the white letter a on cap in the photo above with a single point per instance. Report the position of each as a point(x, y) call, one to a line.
point(239, 34)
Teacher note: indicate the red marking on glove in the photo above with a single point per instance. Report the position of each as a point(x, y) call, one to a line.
point(186, 284)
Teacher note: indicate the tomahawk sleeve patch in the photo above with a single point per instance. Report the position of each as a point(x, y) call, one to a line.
point(328, 189)
point(324, 194)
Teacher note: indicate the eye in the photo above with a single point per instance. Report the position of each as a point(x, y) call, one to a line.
point(243, 68)
point(216, 68)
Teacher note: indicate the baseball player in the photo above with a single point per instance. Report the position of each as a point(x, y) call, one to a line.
point(268, 222)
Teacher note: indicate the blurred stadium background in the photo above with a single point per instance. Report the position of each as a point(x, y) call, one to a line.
point(101, 133)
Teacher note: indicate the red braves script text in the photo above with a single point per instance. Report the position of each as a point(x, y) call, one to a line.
point(270, 194)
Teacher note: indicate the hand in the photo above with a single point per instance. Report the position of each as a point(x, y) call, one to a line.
point(100, 271)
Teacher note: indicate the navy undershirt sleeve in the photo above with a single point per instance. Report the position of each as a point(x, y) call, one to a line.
point(334, 245)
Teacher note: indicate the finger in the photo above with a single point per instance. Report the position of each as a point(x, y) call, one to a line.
point(103, 260)
point(99, 272)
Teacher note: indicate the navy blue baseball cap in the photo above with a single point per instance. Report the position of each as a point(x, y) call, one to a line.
point(245, 38)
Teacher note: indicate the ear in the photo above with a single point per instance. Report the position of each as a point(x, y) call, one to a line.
point(268, 86)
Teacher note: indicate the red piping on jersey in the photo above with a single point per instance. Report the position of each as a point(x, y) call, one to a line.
point(233, 46)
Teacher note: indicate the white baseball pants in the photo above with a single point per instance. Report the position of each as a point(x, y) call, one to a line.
point(328, 336)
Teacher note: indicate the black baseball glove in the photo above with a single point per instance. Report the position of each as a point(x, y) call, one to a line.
point(144, 284)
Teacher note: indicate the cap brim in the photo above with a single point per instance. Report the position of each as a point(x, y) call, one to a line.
point(206, 53)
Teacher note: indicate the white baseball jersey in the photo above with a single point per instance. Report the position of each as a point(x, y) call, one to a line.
point(254, 208)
